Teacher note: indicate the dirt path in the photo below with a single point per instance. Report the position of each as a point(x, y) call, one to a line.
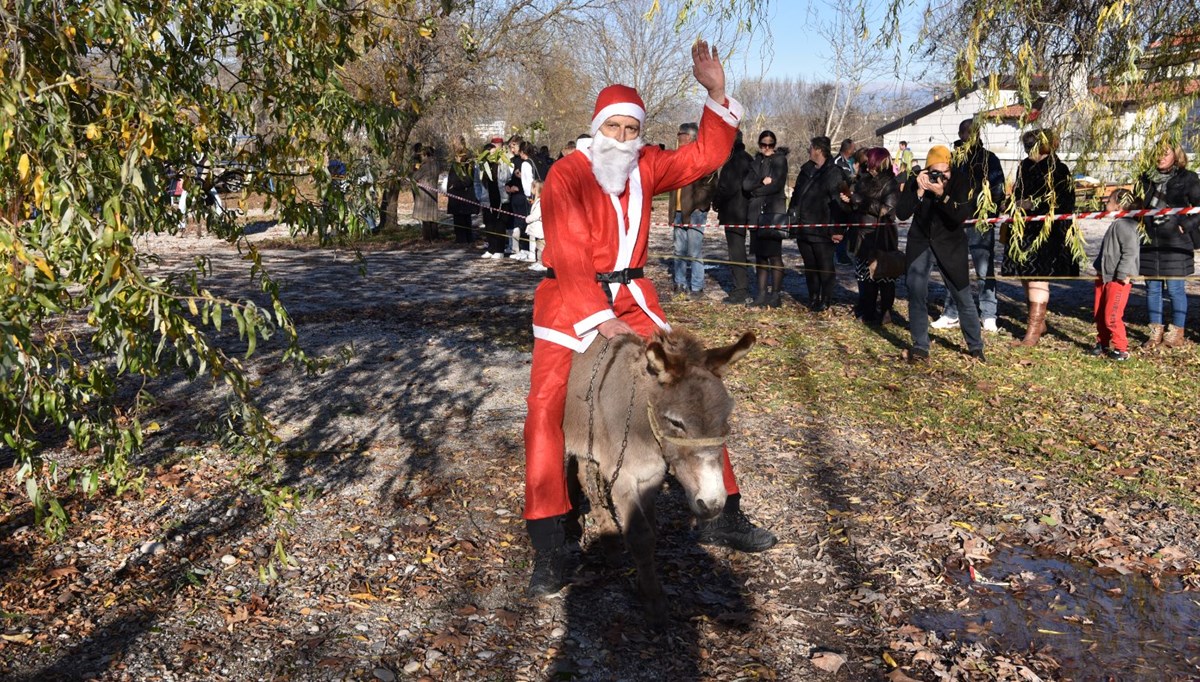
point(407, 557)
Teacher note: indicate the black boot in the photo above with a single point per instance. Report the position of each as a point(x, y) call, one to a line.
point(550, 555)
point(733, 530)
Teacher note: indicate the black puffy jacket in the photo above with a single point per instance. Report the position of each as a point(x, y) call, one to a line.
point(1169, 253)
point(813, 197)
point(730, 199)
point(766, 198)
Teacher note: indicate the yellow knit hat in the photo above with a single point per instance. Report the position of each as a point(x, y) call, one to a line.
point(938, 154)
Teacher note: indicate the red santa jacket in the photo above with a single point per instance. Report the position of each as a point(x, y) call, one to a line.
point(588, 231)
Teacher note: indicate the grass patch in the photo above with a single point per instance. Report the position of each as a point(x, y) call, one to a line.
point(1131, 427)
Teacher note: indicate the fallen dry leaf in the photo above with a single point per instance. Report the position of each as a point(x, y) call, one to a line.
point(828, 661)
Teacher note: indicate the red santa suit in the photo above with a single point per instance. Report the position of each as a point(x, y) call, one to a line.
point(589, 232)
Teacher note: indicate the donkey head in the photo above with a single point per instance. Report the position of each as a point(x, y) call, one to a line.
point(689, 412)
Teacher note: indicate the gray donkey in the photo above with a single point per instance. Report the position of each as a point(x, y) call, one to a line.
point(635, 408)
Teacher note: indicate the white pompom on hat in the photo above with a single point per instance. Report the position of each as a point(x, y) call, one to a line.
point(617, 100)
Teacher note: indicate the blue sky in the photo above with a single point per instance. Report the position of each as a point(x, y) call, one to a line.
point(793, 51)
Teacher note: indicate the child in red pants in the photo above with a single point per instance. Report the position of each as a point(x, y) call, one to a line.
point(1116, 266)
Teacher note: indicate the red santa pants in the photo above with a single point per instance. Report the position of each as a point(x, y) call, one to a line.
point(1109, 313)
point(545, 447)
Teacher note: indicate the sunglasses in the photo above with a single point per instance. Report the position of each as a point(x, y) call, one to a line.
point(767, 145)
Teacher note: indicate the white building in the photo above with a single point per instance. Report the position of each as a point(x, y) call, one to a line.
point(1002, 116)
point(486, 131)
point(937, 123)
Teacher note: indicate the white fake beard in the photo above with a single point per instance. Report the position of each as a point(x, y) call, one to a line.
point(613, 162)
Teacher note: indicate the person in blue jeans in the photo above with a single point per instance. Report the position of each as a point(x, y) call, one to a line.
point(1167, 255)
point(689, 207)
point(937, 201)
point(984, 171)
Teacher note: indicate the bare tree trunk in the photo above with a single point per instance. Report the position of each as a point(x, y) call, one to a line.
point(389, 205)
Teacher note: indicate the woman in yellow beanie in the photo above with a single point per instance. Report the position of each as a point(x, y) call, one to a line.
point(939, 204)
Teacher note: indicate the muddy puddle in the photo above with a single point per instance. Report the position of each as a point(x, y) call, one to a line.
point(1098, 626)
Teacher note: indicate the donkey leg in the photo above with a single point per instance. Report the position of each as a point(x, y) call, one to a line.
point(574, 524)
point(636, 508)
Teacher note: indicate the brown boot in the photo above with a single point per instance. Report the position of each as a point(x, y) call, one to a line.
point(1174, 337)
point(1036, 325)
point(1156, 337)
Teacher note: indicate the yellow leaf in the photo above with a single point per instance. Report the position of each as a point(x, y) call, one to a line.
point(364, 596)
point(1050, 632)
point(39, 190)
point(23, 167)
point(964, 525)
point(887, 658)
point(191, 303)
point(22, 638)
point(44, 267)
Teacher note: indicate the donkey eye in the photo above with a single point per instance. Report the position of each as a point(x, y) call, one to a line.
point(676, 423)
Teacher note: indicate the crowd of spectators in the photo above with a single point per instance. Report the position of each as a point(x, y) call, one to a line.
point(844, 209)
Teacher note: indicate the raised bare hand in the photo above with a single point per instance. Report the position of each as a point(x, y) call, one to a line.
point(707, 69)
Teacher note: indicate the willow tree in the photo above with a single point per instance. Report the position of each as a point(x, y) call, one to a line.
point(1104, 76)
point(425, 55)
point(103, 101)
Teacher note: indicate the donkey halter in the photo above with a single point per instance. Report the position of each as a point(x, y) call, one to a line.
point(675, 440)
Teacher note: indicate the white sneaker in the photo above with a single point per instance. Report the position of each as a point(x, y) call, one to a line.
point(944, 322)
point(486, 254)
point(989, 324)
point(537, 267)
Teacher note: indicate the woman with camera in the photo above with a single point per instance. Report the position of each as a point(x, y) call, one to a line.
point(764, 183)
point(939, 205)
point(1043, 186)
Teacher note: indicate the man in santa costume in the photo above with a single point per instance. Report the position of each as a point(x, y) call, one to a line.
point(596, 218)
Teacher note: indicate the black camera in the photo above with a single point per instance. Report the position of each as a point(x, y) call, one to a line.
point(936, 175)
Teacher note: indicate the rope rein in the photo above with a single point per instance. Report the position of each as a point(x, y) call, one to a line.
point(675, 440)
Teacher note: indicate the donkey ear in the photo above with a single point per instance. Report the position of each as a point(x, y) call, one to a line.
point(661, 364)
point(718, 359)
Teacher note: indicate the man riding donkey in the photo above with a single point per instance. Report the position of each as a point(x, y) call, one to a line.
point(596, 217)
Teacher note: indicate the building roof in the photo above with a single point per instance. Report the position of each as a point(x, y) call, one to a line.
point(1006, 83)
point(1016, 112)
point(1147, 92)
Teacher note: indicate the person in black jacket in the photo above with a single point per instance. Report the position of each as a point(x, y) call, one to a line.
point(1168, 253)
point(764, 183)
point(1043, 186)
point(873, 202)
point(460, 188)
point(731, 203)
point(938, 202)
point(987, 189)
point(817, 189)
point(494, 172)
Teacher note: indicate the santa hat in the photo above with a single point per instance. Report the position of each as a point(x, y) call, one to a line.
point(617, 100)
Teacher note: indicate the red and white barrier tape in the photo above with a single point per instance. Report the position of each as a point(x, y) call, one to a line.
point(1134, 213)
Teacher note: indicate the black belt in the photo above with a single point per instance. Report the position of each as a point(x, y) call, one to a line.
point(615, 277)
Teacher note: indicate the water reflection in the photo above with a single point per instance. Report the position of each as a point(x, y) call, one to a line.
point(1099, 626)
